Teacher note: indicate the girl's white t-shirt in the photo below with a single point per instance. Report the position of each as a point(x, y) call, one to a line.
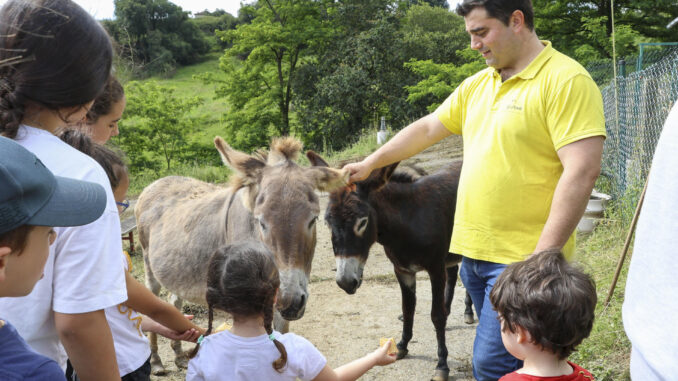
point(225, 356)
point(83, 272)
point(131, 345)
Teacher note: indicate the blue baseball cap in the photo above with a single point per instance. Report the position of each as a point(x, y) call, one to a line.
point(31, 195)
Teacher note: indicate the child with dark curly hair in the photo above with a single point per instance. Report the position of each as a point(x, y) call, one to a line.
point(546, 308)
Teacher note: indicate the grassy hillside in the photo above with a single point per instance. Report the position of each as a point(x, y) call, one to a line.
point(212, 109)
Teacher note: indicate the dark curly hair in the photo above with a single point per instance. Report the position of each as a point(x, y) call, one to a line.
point(52, 53)
point(499, 9)
point(242, 280)
point(550, 298)
point(103, 104)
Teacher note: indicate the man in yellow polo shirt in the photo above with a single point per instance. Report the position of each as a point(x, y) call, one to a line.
point(533, 131)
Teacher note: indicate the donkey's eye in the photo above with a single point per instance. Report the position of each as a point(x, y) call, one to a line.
point(262, 224)
point(360, 226)
point(312, 223)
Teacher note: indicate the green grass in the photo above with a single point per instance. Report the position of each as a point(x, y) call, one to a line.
point(606, 352)
point(212, 110)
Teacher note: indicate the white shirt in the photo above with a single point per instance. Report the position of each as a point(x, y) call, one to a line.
point(650, 309)
point(83, 272)
point(225, 356)
point(131, 345)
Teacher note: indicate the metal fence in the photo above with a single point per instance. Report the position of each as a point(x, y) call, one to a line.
point(635, 121)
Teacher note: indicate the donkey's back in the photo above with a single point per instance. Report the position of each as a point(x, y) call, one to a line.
point(181, 222)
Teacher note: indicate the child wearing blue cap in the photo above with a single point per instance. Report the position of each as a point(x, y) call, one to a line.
point(32, 201)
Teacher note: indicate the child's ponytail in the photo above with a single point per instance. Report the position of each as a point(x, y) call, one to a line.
point(210, 317)
point(280, 363)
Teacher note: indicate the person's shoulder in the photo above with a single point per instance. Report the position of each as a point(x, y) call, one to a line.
point(18, 361)
point(581, 373)
point(514, 376)
point(564, 67)
point(59, 157)
point(479, 77)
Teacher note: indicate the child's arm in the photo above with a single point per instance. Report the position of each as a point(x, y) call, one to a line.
point(89, 344)
point(142, 300)
point(150, 325)
point(356, 368)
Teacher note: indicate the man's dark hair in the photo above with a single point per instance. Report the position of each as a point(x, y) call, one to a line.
point(550, 298)
point(499, 9)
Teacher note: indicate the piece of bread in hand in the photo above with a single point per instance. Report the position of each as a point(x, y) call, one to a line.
point(392, 348)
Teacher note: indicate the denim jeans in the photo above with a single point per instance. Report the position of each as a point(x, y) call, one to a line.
point(490, 358)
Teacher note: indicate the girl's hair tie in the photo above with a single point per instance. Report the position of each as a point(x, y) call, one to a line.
point(200, 339)
point(272, 337)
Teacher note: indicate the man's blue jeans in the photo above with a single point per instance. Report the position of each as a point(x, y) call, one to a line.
point(490, 358)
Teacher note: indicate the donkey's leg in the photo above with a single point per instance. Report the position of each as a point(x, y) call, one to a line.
point(279, 323)
point(157, 368)
point(450, 283)
point(180, 358)
point(439, 319)
point(468, 313)
point(408, 286)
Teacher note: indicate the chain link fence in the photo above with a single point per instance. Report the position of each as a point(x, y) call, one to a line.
point(634, 122)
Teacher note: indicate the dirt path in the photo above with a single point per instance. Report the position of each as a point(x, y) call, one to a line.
point(345, 327)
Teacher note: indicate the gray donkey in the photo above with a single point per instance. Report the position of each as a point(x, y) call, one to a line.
point(182, 221)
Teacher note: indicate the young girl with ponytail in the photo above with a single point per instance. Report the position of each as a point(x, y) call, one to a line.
point(243, 281)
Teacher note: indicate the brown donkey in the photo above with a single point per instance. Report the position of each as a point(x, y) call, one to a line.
point(182, 221)
point(411, 215)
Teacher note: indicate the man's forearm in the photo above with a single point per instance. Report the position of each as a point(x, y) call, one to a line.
point(89, 344)
point(569, 203)
point(409, 141)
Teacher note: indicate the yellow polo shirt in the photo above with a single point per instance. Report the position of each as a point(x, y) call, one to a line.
point(512, 131)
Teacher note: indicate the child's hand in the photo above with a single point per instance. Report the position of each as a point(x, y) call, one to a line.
point(381, 355)
point(190, 335)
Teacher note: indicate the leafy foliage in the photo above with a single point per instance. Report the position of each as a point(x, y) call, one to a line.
point(156, 125)
point(583, 29)
point(272, 46)
point(156, 34)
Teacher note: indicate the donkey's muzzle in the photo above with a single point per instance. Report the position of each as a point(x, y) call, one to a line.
point(296, 308)
point(349, 273)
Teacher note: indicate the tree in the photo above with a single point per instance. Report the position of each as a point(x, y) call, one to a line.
point(272, 46)
point(156, 124)
point(158, 33)
point(361, 75)
point(440, 80)
point(583, 29)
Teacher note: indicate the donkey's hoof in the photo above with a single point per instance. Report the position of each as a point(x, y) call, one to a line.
point(468, 319)
point(158, 369)
point(401, 353)
point(181, 361)
point(441, 375)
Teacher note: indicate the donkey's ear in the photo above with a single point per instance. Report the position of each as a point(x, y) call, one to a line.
point(327, 179)
point(247, 166)
point(315, 159)
point(380, 177)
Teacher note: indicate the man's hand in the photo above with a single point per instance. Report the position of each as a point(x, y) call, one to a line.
point(359, 171)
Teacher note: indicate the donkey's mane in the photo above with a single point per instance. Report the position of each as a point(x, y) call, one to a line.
point(407, 174)
point(282, 149)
